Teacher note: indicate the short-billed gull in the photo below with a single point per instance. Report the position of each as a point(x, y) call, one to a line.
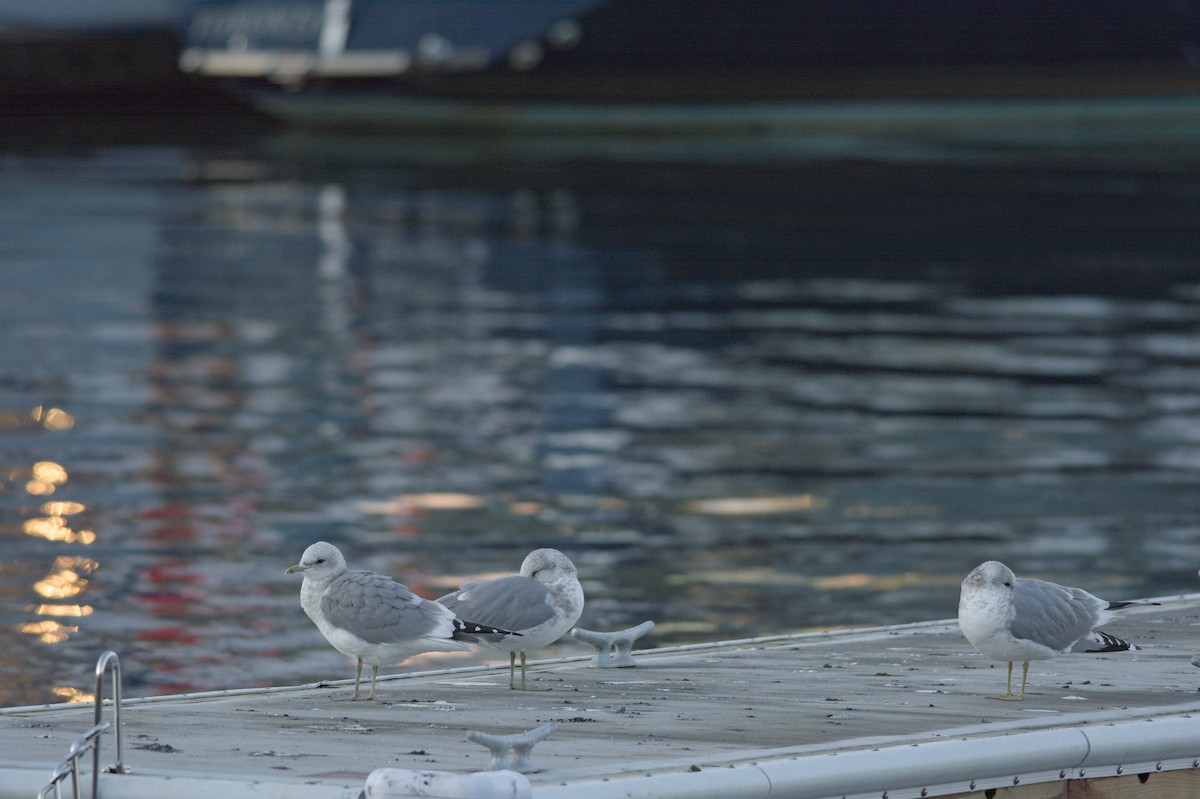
point(373, 618)
point(541, 603)
point(1009, 619)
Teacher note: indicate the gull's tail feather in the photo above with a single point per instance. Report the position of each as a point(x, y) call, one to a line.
point(1109, 643)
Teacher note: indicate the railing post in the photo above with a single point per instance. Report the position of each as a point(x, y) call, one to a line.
point(106, 660)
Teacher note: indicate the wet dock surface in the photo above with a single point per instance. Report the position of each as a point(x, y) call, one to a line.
point(680, 709)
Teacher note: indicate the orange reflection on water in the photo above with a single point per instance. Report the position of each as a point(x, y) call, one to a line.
point(73, 695)
point(417, 504)
point(48, 631)
point(47, 476)
point(53, 418)
point(49, 472)
point(756, 506)
point(62, 610)
point(838, 581)
point(65, 580)
point(54, 528)
point(63, 508)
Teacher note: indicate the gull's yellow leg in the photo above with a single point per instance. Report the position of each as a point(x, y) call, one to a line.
point(1008, 694)
point(374, 674)
point(523, 688)
point(357, 674)
point(512, 669)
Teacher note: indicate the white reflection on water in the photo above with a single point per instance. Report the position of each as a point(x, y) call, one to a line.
point(743, 404)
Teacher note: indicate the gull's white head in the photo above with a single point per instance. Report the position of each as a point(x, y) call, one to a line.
point(320, 561)
point(548, 566)
point(990, 576)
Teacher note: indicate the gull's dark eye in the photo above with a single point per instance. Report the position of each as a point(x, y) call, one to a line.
point(1007, 583)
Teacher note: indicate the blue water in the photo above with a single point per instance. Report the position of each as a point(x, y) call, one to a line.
point(744, 398)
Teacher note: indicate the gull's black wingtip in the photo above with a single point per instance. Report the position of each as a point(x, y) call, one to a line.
point(472, 631)
point(1111, 643)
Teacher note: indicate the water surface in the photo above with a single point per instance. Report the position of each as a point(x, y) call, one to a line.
point(745, 397)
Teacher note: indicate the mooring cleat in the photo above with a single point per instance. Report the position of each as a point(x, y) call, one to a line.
point(613, 650)
point(512, 752)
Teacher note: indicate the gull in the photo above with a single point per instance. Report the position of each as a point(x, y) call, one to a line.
point(375, 619)
point(541, 603)
point(1009, 619)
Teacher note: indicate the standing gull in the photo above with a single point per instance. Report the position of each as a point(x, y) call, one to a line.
point(1009, 618)
point(541, 603)
point(373, 618)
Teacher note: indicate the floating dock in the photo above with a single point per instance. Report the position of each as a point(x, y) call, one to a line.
point(887, 712)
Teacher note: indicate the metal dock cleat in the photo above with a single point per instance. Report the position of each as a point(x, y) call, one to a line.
point(512, 751)
point(613, 650)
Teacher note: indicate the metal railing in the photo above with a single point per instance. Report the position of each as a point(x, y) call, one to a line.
point(90, 740)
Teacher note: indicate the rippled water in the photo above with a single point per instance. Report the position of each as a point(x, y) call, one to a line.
point(745, 399)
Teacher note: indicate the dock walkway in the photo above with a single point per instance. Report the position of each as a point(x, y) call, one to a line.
point(890, 711)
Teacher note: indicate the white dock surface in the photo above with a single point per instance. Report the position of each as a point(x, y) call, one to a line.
point(821, 714)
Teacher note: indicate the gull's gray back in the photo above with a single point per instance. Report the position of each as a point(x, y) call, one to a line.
point(512, 603)
point(378, 609)
point(1053, 615)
